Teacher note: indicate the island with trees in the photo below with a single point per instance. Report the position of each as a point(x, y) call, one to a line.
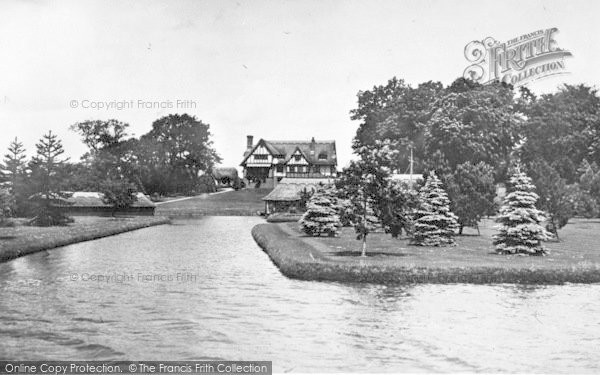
point(510, 190)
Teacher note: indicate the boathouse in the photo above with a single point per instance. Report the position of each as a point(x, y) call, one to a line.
point(86, 203)
point(287, 195)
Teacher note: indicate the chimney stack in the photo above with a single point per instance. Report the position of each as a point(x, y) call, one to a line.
point(250, 142)
point(312, 146)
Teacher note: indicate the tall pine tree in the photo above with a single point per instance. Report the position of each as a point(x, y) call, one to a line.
point(321, 216)
point(45, 167)
point(14, 171)
point(14, 161)
point(47, 162)
point(520, 229)
point(435, 224)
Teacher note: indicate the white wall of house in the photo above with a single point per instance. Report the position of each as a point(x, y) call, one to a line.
point(260, 158)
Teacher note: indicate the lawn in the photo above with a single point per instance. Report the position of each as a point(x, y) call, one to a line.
point(245, 202)
point(580, 244)
point(22, 240)
point(576, 258)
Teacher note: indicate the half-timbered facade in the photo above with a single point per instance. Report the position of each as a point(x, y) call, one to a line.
point(267, 162)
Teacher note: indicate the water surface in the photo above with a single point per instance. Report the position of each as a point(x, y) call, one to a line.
point(202, 289)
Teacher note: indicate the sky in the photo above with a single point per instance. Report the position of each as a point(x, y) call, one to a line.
point(272, 69)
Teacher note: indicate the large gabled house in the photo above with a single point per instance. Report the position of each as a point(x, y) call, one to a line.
point(267, 162)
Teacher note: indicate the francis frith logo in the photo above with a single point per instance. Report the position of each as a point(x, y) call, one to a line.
point(518, 61)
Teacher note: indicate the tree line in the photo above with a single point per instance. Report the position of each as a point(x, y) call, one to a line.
point(473, 137)
point(174, 157)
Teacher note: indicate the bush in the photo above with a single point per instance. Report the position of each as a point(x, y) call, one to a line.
point(7, 203)
point(205, 184)
point(47, 215)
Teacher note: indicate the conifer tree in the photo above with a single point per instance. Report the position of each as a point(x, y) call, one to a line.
point(47, 162)
point(14, 161)
point(45, 167)
point(520, 229)
point(435, 224)
point(14, 171)
point(321, 215)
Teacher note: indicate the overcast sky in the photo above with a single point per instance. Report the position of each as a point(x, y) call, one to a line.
point(273, 69)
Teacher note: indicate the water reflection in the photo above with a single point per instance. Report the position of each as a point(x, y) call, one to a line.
point(238, 305)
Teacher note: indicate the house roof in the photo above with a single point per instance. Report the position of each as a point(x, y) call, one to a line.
point(287, 149)
point(289, 189)
point(94, 199)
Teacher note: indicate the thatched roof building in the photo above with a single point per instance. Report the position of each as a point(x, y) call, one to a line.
point(288, 192)
point(222, 173)
point(91, 203)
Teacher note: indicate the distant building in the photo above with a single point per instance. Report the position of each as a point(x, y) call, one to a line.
point(225, 176)
point(409, 179)
point(91, 203)
point(267, 162)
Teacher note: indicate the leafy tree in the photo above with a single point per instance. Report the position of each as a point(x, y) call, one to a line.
point(321, 215)
point(555, 197)
point(111, 155)
point(363, 182)
point(396, 112)
point(45, 166)
point(589, 181)
point(357, 187)
point(176, 150)
point(585, 205)
point(15, 171)
point(435, 224)
point(363, 219)
point(397, 208)
point(99, 135)
point(119, 193)
point(520, 231)
point(471, 191)
point(563, 128)
point(476, 125)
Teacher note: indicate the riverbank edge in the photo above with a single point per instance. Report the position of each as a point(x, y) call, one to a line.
point(298, 259)
point(99, 231)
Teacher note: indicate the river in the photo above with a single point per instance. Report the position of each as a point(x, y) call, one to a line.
point(202, 289)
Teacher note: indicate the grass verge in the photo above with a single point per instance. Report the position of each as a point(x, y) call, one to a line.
point(23, 240)
point(245, 202)
point(391, 261)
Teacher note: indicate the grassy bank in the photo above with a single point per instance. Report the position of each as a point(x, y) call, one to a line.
point(22, 240)
point(246, 202)
point(575, 259)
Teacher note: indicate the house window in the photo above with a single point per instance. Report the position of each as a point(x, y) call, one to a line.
point(297, 157)
point(280, 169)
point(261, 157)
point(323, 156)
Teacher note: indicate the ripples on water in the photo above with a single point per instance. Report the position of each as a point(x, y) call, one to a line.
point(240, 307)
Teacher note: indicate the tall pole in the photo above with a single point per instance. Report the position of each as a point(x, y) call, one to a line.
point(411, 164)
